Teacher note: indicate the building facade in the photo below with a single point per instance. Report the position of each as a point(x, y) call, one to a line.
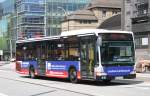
point(80, 19)
point(141, 27)
point(6, 28)
point(127, 13)
point(30, 18)
point(93, 15)
point(58, 10)
point(104, 9)
point(43, 17)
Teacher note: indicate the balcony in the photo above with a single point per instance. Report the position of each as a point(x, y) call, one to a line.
point(140, 18)
point(139, 2)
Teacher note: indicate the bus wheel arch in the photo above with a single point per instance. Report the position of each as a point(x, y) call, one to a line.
point(72, 74)
point(32, 72)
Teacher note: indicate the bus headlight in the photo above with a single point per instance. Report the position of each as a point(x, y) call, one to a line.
point(100, 74)
point(133, 72)
point(99, 71)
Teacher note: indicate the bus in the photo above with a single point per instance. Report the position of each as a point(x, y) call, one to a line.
point(86, 54)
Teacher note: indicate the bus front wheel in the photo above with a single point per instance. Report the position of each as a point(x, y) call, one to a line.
point(32, 73)
point(107, 81)
point(73, 75)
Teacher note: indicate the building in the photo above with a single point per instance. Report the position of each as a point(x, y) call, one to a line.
point(104, 9)
point(93, 15)
point(80, 19)
point(43, 17)
point(140, 25)
point(6, 27)
point(112, 23)
point(30, 18)
point(127, 13)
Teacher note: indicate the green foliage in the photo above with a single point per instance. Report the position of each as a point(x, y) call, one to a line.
point(3, 43)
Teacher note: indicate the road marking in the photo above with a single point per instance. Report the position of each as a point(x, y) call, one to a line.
point(1, 94)
point(143, 86)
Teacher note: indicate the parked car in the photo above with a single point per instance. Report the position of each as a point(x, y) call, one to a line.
point(143, 66)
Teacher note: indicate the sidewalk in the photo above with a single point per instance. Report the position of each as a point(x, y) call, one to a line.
point(4, 62)
point(147, 75)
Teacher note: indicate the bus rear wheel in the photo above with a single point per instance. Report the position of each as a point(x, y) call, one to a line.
point(73, 75)
point(32, 73)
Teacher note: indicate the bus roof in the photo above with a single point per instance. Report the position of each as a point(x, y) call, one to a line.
point(81, 32)
point(91, 31)
point(38, 39)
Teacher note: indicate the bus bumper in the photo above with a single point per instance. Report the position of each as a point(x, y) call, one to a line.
point(105, 77)
point(130, 76)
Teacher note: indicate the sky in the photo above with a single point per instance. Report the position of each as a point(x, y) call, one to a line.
point(2, 0)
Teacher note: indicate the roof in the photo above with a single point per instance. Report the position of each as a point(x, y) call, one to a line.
point(82, 15)
point(87, 14)
point(113, 22)
point(106, 3)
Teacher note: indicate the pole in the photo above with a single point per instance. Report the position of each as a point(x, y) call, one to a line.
point(45, 27)
point(66, 14)
point(68, 23)
point(11, 54)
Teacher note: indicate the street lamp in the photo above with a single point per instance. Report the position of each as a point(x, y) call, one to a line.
point(45, 18)
point(66, 14)
point(11, 46)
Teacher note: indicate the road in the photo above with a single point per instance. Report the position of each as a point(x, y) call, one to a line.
point(14, 84)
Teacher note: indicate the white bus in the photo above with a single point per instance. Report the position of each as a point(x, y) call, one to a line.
point(86, 54)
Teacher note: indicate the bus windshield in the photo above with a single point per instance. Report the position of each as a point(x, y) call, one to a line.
point(117, 48)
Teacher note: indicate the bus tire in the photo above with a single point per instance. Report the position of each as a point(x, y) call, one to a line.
point(107, 81)
point(32, 73)
point(73, 75)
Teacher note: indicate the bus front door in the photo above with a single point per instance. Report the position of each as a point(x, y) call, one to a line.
point(87, 59)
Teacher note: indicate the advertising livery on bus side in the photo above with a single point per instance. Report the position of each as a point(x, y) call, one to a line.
point(86, 54)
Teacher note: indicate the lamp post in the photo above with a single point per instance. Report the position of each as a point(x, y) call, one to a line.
point(45, 18)
point(66, 14)
point(11, 46)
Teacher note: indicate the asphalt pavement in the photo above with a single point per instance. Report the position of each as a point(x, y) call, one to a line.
point(14, 84)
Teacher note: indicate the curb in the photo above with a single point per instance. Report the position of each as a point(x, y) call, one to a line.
point(4, 62)
point(147, 75)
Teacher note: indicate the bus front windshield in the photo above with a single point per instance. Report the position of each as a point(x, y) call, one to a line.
point(117, 48)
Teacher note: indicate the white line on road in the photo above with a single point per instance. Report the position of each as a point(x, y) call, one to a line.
point(1, 94)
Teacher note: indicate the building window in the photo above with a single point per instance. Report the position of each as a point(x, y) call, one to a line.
point(128, 12)
point(141, 41)
point(104, 13)
point(87, 21)
point(145, 41)
point(142, 9)
point(128, 1)
point(114, 12)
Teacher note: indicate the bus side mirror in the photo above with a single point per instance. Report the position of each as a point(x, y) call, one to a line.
point(99, 41)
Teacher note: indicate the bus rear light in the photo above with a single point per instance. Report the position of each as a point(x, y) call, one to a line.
point(18, 66)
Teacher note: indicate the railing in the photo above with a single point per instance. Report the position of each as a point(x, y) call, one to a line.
point(142, 1)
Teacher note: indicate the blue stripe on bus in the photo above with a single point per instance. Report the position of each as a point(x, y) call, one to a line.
point(118, 71)
point(61, 65)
